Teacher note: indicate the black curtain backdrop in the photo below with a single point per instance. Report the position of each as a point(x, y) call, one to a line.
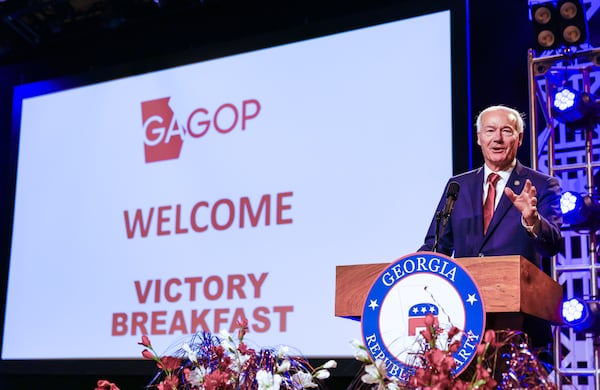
point(500, 35)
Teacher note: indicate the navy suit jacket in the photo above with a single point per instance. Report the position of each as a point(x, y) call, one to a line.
point(463, 235)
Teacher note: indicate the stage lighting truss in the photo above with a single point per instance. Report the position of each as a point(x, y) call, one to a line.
point(580, 212)
point(581, 315)
point(558, 24)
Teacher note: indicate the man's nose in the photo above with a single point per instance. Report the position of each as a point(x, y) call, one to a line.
point(497, 136)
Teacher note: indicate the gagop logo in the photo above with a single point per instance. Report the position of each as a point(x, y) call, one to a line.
point(164, 135)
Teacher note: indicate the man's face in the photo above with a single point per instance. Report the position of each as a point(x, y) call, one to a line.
point(499, 139)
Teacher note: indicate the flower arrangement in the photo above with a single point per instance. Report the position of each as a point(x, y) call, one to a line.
point(210, 362)
point(503, 361)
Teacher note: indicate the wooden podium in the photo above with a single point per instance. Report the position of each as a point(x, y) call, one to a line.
point(511, 287)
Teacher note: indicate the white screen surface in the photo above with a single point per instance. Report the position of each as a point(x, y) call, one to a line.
point(320, 153)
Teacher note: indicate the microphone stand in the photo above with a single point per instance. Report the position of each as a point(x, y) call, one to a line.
point(443, 214)
point(440, 217)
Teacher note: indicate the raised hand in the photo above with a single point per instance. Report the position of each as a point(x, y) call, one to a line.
point(525, 202)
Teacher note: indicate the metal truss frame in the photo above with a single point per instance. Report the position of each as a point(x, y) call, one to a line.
point(568, 154)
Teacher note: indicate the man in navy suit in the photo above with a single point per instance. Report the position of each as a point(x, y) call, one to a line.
point(527, 217)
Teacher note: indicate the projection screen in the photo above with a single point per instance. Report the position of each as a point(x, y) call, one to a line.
point(188, 198)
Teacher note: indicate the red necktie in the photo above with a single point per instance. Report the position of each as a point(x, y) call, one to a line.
point(488, 205)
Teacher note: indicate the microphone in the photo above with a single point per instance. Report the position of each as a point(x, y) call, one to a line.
point(451, 195)
point(442, 216)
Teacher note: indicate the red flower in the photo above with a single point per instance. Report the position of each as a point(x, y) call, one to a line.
point(169, 363)
point(145, 342)
point(431, 320)
point(432, 329)
point(225, 362)
point(453, 332)
point(454, 346)
point(243, 328)
point(421, 377)
point(170, 383)
point(483, 373)
point(427, 335)
point(490, 338)
point(219, 351)
point(461, 385)
point(243, 348)
point(481, 348)
point(146, 354)
point(435, 357)
point(103, 384)
point(217, 380)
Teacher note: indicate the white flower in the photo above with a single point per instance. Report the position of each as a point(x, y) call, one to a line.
point(196, 376)
point(392, 386)
point(190, 354)
point(225, 334)
point(374, 372)
point(356, 344)
point(322, 374)
point(330, 364)
point(267, 381)
point(360, 352)
point(284, 366)
point(238, 364)
point(282, 351)
point(362, 356)
point(227, 341)
point(303, 379)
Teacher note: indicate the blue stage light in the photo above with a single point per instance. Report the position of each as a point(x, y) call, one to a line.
point(568, 202)
point(564, 99)
point(581, 315)
point(580, 211)
point(572, 106)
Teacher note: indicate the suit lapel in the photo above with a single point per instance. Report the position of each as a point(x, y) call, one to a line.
point(476, 201)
